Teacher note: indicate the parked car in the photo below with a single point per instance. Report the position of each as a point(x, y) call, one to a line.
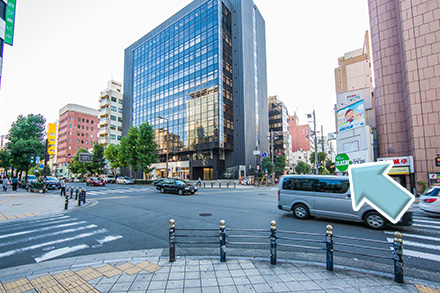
point(27, 180)
point(124, 180)
point(109, 179)
point(95, 181)
point(329, 197)
point(177, 186)
point(158, 183)
point(52, 182)
point(77, 179)
point(430, 200)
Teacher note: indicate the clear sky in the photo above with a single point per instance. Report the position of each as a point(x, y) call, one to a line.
point(66, 51)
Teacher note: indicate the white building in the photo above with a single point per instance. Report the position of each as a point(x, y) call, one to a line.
point(110, 114)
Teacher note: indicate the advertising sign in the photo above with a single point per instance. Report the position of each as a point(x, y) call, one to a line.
point(351, 117)
point(400, 162)
point(10, 19)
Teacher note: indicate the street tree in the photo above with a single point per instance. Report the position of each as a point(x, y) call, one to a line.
point(267, 164)
point(322, 156)
point(280, 165)
point(302, 168)
point(113, 156)
point(330, 167)
point(98, 160)
point(76, 167)
point(5, 160)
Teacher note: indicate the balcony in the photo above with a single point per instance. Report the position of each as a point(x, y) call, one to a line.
point(104, 131)
point(104, 112)
point(104, 121)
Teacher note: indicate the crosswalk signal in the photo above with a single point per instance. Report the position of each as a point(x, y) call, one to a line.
point(437, 161)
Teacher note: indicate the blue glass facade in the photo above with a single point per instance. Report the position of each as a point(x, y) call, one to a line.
point(183, 71)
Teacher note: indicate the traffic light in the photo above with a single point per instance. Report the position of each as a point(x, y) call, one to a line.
point(32, 159)
point(437, 161)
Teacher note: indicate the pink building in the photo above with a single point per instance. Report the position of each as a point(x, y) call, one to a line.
point(299, 133)
point(405, 39)
point(78, 128)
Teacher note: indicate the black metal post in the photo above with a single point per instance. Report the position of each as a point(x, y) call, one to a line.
point(71, 191)
point(273, 242)
point(66, 203)
point(172, 243)
point(204, 185)
point(212, 184)
point(84, 196)
point(329, 247)
point(222, 241)
point(79, 198)
point(227, 184)
point(398, 258)
point(219, 185)
point(76, 193)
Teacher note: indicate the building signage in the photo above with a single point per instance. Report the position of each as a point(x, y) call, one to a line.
point(85, 157)
point(256, 152)
point(399, 171)
point(351, 98)
point(351, 117)
point(342, 161)
point(10, 20)
point(400, 162)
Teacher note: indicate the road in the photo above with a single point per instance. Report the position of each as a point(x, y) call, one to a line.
point(136, 217)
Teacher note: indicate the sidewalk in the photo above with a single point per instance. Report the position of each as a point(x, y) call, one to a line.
point(150, 270)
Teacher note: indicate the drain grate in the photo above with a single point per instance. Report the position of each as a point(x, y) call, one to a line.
point(205, 215)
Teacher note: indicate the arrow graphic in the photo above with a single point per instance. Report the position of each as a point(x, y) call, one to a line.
point(370, 183)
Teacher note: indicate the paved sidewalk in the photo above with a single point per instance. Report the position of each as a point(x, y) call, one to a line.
point(150, 270)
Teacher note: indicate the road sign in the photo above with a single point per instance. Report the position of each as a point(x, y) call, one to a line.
point(85, 157)
point(37, 160)
point(386, 195)
point(41, 166)
point(256, 152)
point(264, 155)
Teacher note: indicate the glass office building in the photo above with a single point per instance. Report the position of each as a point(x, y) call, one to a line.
point(189, 80)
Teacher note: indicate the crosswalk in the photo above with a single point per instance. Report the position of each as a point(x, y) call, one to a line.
point(48, 238)
point(125, 190)
point(422, 240)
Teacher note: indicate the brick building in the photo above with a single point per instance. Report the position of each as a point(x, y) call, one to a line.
point(78, 128)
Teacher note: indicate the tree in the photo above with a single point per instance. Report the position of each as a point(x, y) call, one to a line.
point(5, 158)
point(280, 165)
point(330, 166)
point(112, 155)
point(27, 128)
point(77, 167)
point(322, 156)
point(98, 161)
point(302, 168)
point(21, 152)
point(267, 164)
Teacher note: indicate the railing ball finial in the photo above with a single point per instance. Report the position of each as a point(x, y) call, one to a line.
point(222, 223)
point(329, 229)
point(172, 221)
point(273, 225)
point(398, 237)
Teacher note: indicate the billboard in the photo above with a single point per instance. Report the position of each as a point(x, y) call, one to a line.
point(351, 117)
point(51, 136)
point(10, 20)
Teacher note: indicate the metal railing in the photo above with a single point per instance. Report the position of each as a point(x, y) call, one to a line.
point(274, 240)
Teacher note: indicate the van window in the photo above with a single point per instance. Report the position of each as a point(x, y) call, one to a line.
point(318, 185)
point(301, 184)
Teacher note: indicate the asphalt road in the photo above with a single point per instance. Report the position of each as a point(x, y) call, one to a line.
point(136, 217)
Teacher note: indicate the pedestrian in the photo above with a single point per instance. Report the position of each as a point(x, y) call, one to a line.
point(199, 182)
point(5, 183)
point(14, 183)
point(62, 187)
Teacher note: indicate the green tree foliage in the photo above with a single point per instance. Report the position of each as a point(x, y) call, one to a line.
point(267, 164)
point(330, 166)
point(302, 168)
point(280, 165)
point(5, 158)
point(98, 161)
point(112, 155)
point(138, 149)
point(30, 127)
point(77, 167)
point(322, 156)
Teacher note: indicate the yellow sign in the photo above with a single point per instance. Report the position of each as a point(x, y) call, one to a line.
point(399, 171)
point(51, 136)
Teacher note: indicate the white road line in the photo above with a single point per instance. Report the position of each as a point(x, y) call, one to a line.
point(39, 223)
point(109, 238)
point(41, 229)
point(415, 244)
point(416, 236)
point(424, 220)
point(426, 226)
point(428, 256)
point(27, 239)
point(58, 252)
point(20, 250)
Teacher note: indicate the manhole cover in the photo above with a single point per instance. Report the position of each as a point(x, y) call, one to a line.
point(262, 193)
point(97, 246)
point(205, 215)
point(48, 248)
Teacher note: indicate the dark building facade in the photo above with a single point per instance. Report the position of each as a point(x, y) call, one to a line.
point(199, 79)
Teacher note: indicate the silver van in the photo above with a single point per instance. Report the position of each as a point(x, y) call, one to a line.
point(330, 197)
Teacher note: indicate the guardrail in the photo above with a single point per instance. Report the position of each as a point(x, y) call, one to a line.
point(213, 185)
point(274, 239)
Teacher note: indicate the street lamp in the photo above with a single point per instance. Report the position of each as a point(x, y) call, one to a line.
point(160, 117)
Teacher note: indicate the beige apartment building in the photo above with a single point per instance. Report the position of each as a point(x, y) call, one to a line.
point(110, 114)
point(405, 39)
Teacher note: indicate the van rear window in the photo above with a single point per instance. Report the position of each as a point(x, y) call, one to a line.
point(317, 185)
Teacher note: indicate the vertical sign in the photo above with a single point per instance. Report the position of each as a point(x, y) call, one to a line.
point(10, 19)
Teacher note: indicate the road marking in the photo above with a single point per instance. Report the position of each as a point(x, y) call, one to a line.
point(59, 252)
point(428, 256)
point(27, 239)
point(425, 221)
point(416, 236)
point(41, 229)
point(20, 250)
point(109, 238)
point(416, 244)
point(426, 226)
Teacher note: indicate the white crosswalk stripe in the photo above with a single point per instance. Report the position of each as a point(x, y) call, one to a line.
point(52, 237)
point(120, 190)
point(422, 242)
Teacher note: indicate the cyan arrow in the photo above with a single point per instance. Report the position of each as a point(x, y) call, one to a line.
point(370, 183)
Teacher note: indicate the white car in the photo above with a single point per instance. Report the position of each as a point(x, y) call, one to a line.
point(430, 200)
point(124, 180)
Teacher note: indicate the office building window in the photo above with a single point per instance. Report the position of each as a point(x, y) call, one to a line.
point(112, 117)
point(114, 99)
point(113, 108)
point(70, 125)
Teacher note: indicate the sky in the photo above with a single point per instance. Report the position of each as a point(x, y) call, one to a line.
point(66, 51)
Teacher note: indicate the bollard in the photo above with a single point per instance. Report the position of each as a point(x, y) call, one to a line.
point(329, 247)
point(79, 198)
point(172, 232)
point(66, 203)
point(212, 185)
point(204, 185)
point(273, 242)
point(219, 185)
point(227, 184)
point(84, 196)
point(76, 193)
point(234, 184)
point(71, 191)
point(398, 258)
point(222, 241)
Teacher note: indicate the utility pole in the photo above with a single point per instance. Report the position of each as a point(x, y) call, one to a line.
point(322, 138)
point(316, 144)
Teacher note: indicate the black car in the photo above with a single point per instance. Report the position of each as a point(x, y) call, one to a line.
point(158, 183)
point(176, 186)
point(52, 182)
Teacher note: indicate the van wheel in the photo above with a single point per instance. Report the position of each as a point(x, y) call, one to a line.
point(300, 211)
point(374, 220)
